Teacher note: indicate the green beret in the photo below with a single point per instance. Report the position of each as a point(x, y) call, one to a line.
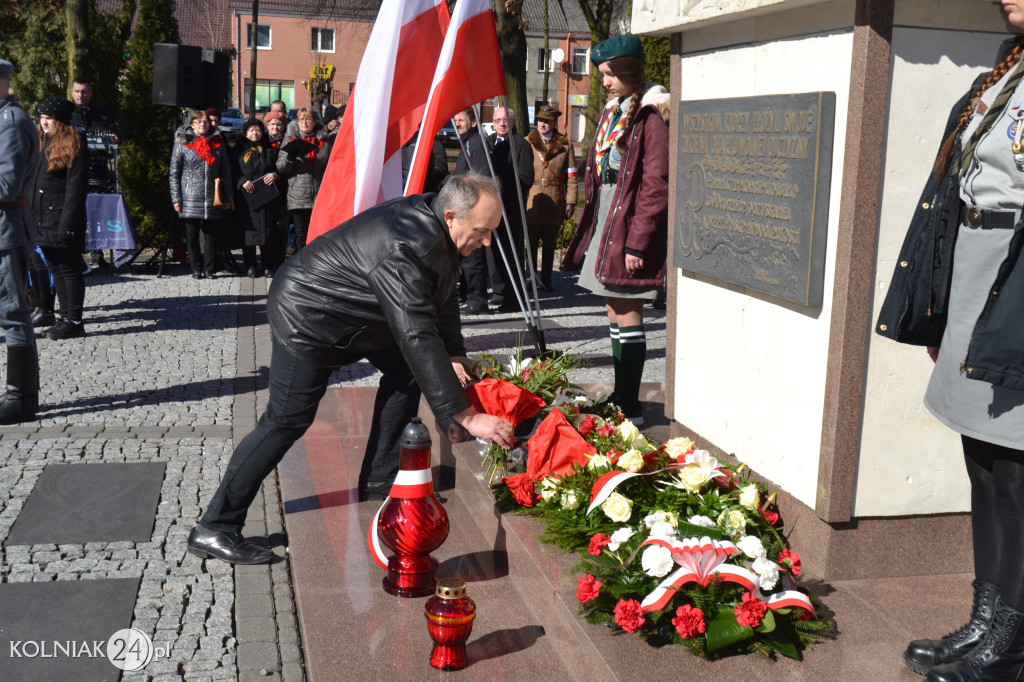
point(617, 46)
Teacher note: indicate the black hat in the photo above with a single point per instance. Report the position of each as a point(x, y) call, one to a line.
point(6, 69)
point(617, 46)
point(331, 112)
point(57, 108)
point(250, 123)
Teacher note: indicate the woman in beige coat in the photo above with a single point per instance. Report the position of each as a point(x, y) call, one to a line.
point(552, 198)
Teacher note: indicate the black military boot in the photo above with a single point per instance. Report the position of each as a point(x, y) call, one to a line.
point(924, 654)
point(42, 315)
point(20, 402)
point(998, 658)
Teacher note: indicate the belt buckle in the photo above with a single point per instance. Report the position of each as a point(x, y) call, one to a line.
point(974, 217)
point(543, 182)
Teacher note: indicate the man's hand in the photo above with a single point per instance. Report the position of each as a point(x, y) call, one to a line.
point(177, 207)
point(569, 210)
point(487, 426)
point(459, 364)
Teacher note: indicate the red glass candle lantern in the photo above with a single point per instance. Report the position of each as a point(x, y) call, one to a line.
point(450, 615)
point(412, 523)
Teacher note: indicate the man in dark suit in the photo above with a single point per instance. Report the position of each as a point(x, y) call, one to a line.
point(504, 143)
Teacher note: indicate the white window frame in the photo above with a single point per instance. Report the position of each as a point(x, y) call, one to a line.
point(319, 31)
point(248, 36)
point(585, 52)
point(542, 60)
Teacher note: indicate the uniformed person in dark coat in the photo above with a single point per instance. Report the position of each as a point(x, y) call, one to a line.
point(19, 159)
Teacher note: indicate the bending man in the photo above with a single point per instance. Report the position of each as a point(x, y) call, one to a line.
point(381, 286)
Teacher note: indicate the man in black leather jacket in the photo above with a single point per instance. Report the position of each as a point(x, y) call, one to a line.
point(381, 286)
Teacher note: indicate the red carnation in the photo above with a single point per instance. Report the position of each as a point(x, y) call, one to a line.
point(587, 426)
point(689, 621)
point(597, 542)
point(606, 430)
point(587, 588)
point(750, 612)
point(793, 559)
point(613, 456)
point(628, 615)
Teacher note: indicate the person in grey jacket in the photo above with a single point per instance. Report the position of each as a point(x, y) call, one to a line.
point(381, 287)
point(958, 289)
point(19, 159)
point(303, 173)
point(200, 157)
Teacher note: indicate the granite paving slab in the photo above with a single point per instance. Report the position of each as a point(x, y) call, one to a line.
point(54, 631)
point(79, 503)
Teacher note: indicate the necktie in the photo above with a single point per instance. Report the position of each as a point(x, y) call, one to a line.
point(991, 115)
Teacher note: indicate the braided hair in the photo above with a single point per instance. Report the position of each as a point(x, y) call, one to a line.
point(630, 71)
point(1011, 58)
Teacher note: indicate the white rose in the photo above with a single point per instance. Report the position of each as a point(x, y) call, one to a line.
point(666, 516)
point(570, 500)
point(657, 561)
point(750, 496)
point(598, 461)
point(632, 461)
point(548, 489)
point(631, 435)
point(702, 521)
point(618, 537)
point(663, 529)
point(751, 546)
point(732, 521)
point(693, 477)
point(767, 572)
point(617, 507)
point(677, 447)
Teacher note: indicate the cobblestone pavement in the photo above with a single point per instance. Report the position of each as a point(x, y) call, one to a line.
point(173, 370)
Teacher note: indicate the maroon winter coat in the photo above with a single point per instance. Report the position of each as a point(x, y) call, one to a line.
point(638, 220)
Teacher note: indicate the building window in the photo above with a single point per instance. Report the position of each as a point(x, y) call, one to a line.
point(580, 60)
point(262, 36)
point(322, 40)
point(269, 90)
point(541, 60)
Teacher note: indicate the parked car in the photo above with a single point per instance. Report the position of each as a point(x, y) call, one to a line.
point(230, 124)
point(447, 135)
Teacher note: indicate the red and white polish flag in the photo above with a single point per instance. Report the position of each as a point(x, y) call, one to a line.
point(468, 71)
point(383, 112)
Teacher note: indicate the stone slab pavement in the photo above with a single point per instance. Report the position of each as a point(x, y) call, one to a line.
point(174, 370)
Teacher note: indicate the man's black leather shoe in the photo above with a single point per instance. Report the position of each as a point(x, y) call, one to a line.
point(474, 308)
point(374, 490)
point(230, 547)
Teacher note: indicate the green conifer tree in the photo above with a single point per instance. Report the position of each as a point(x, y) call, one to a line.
point(147, 130)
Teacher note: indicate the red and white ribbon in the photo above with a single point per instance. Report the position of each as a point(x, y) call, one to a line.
point(409, 484)
point(700, 559)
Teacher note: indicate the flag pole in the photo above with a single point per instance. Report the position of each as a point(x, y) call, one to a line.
point(533, 326)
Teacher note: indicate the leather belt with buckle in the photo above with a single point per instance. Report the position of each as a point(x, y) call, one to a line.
point(975, 218)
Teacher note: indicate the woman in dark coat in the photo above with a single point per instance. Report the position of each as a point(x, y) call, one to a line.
point(257, 163)
point(199, 157)
point(275, 122)
point(58, 202)
point(303, 172)
point(623, 231)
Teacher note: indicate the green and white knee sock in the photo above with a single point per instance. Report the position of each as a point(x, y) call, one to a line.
point(630, 369)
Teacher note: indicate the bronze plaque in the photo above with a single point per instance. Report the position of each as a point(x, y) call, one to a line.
point(752, 191)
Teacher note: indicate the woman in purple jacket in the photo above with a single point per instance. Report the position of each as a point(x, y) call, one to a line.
point(622, 239)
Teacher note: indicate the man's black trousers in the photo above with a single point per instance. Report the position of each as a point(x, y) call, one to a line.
point(296, 388)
